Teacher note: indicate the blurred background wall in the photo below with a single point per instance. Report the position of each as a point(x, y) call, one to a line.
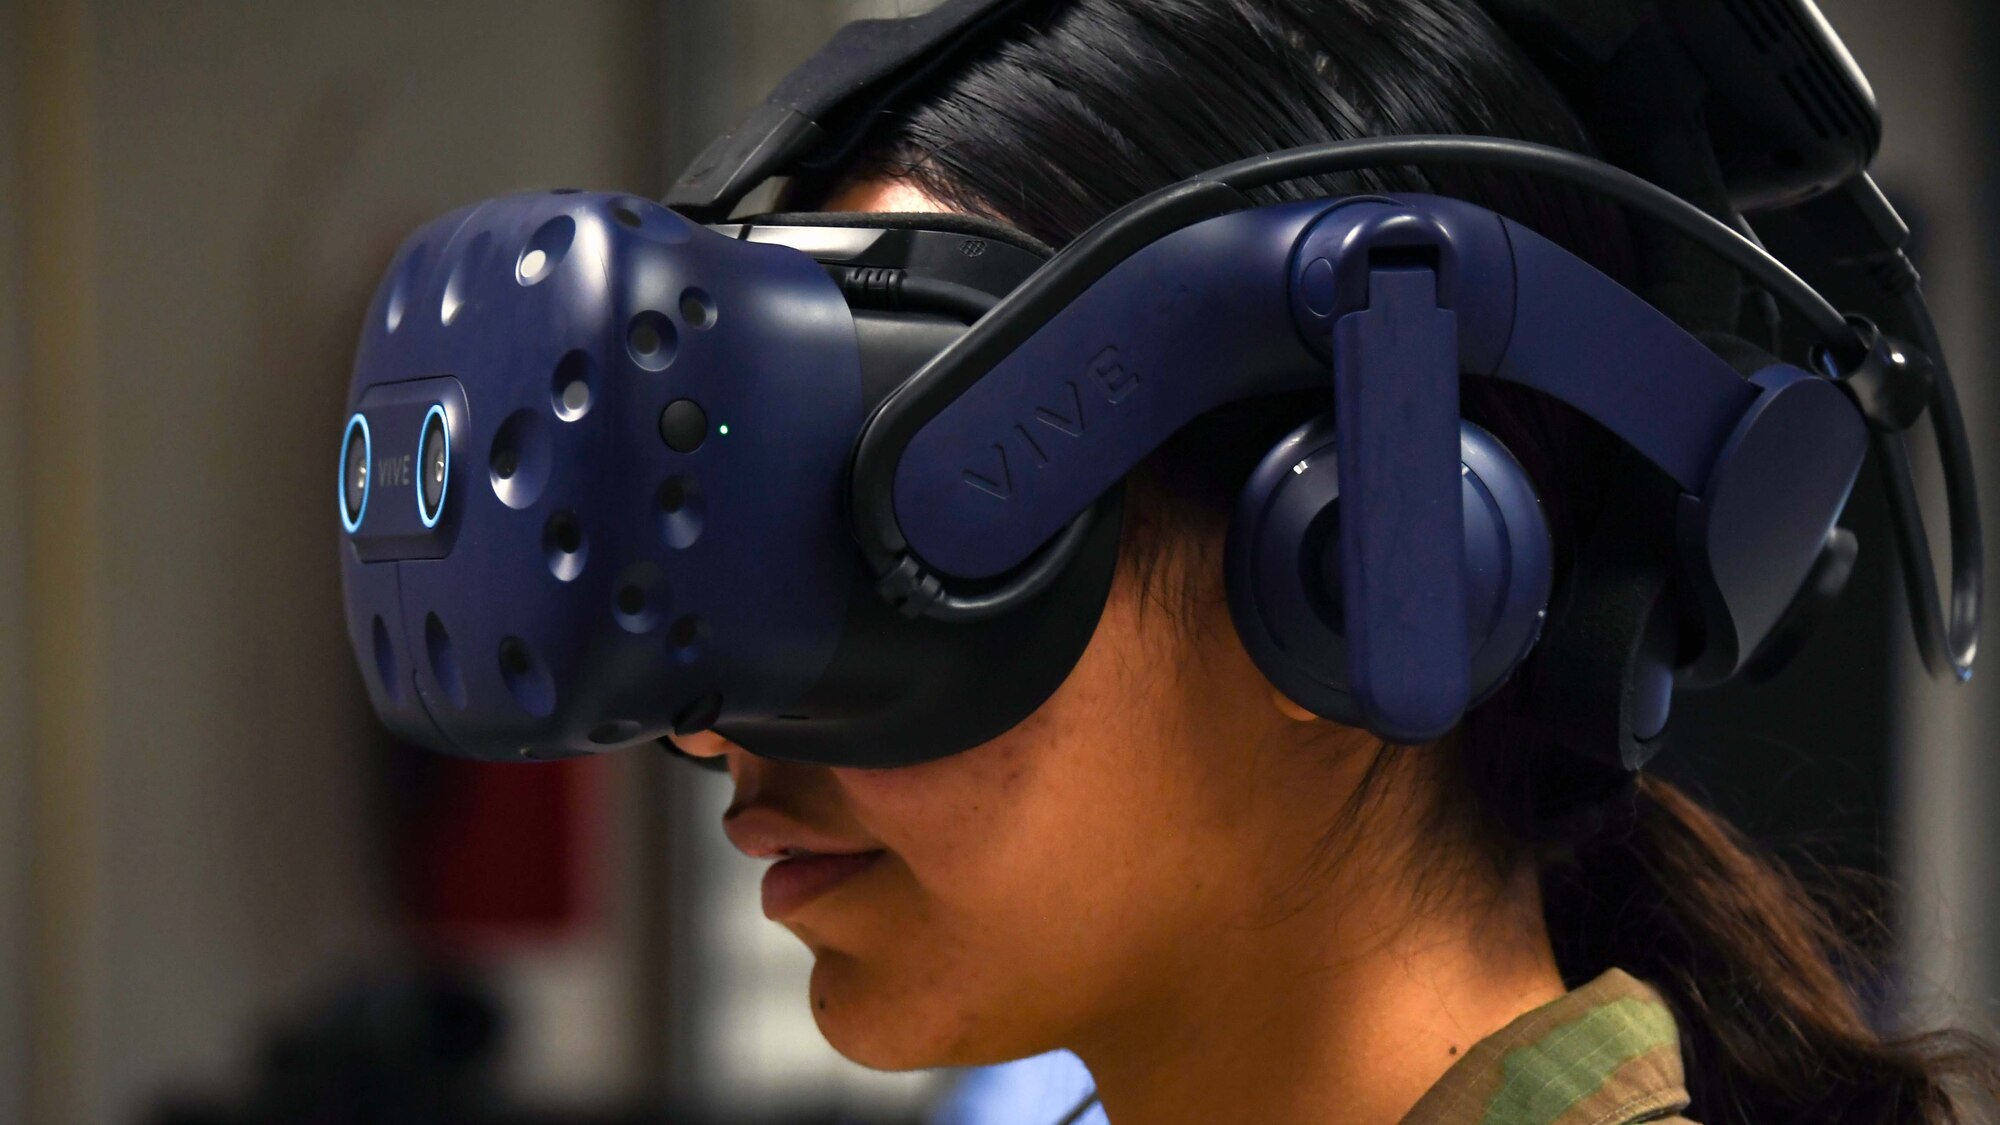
point(208, 193)
point(1933, 68)
point(196, 200)
point(15, 774)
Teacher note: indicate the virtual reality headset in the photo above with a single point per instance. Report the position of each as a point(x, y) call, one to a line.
point(846, 488)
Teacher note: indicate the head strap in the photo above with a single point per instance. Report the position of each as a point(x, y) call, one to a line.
point(819, 114)
point(1644, 101)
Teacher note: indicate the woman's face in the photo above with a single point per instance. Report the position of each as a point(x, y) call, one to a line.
point(1066, 874)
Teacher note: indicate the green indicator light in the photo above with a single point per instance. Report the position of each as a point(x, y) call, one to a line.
point(722, 429)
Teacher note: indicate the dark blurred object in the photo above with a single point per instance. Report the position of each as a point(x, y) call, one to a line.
point(411, 1047)
point(398, 1048)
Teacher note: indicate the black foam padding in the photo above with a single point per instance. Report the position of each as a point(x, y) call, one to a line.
point(1612, 621)
point(901, 691)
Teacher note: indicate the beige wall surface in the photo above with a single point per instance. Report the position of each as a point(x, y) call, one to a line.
point(55, 498)
point(14, 783)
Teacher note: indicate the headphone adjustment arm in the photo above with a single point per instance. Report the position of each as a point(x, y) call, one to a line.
point(1388, 291)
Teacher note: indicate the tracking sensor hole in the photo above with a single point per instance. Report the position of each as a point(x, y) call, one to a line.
point(641, 598)
point(569, 389)
point(444, 661)
point(545, 250)
point(519, 461)
point(408, 276)
point(471, 260)
point(527, 679)
point(683, 510)
point(651, 220)
point(385, 662)
point(564, 544)
point(686, 635)
point(697, 309)
point(652, 340)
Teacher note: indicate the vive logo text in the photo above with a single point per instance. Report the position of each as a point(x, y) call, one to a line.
point(1044, 429)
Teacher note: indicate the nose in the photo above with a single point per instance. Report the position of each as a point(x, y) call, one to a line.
point(707, 744)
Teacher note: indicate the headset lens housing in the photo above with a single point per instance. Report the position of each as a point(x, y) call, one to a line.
point(435, 474)
point(354, 458)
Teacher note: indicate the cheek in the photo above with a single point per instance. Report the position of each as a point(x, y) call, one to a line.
point(1018, 880)
point(1045, 875)
point(1040, 804)
point(979, 830)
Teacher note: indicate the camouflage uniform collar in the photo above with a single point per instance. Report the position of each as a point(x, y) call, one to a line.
point(1604, 1054)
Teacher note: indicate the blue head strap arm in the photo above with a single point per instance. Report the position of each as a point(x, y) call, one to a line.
point(1257, 301)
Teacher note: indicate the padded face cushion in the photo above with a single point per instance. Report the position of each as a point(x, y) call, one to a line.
point(950, 221)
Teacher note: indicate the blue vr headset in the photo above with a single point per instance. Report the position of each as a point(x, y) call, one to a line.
point(846, 488)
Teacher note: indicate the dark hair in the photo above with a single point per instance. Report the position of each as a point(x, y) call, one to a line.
point(1084, 105)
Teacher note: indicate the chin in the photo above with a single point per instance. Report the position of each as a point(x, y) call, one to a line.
point(885, 1020)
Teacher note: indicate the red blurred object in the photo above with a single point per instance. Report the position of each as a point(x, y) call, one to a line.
point(502, 854)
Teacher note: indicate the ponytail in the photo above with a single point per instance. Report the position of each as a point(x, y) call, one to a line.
point(1760, 976)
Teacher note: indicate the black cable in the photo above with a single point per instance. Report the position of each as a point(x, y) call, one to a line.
point(1948, 643)
point(907, 586)
point(962, 301)
point(1608, 180)
point(896, 290)
point(1760, 298)
point(918, 593)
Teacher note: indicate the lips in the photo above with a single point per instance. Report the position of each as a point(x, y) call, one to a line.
point(792, 883)
point(810, 863)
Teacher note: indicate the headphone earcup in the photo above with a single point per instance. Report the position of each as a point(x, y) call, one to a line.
point(1282, 567)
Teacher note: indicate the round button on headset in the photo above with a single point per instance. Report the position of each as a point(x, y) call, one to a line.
point(434, 476)
point(684, 425)
point(355, 457)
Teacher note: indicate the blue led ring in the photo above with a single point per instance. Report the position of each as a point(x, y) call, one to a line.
point(431, 518)
point(367, 473)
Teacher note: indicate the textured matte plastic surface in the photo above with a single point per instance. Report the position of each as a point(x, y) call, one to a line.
point(1191, 321)
point(1752, 538)
point(592, 583)
point(1439, 553)
point(1284, 573)
point(1402, 529)
point(1196, 320)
